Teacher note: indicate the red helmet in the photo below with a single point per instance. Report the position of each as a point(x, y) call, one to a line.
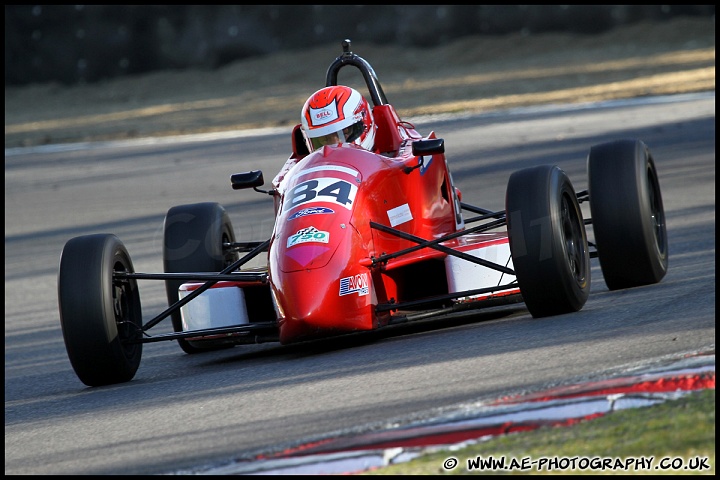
point(337, 115)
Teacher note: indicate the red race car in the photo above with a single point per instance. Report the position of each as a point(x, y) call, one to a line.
point(365, 239)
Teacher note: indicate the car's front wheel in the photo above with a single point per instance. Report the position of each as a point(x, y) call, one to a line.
point(548, 243)
point(99, 315)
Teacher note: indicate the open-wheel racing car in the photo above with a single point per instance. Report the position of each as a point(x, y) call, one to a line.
point(363, 240)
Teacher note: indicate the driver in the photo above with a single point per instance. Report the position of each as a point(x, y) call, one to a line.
point(335, 115)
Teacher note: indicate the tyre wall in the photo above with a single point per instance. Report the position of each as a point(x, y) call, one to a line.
point(87, 43)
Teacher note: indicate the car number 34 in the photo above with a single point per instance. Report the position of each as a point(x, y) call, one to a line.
point(325, 189)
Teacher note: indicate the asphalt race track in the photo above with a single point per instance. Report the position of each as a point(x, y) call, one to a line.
point(185, 411)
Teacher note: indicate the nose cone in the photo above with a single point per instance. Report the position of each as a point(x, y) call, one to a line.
point(307, 256)
point(317, 303)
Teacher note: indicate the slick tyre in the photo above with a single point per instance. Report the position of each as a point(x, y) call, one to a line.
point(193, 242)
point(548, 243)
point(99, 315)
point(627, 214)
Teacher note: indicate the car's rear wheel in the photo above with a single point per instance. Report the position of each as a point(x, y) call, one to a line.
point(98, 314)
point(627, 212)
point(193, 242)
point(547, 241)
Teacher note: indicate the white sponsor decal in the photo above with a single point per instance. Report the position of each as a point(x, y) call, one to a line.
point(355, 284)
point(309, 234)
point(399, 215)
point(321, 116)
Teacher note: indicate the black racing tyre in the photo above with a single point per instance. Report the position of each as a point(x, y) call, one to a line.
point(548, 242)
point(193, 242)
point(98, 314)
point(627, 212)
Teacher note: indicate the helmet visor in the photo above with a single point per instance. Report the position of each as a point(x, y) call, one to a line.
point(346, 135)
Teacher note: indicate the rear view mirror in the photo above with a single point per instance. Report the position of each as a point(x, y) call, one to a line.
point(244, 180)
point(428, 147)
